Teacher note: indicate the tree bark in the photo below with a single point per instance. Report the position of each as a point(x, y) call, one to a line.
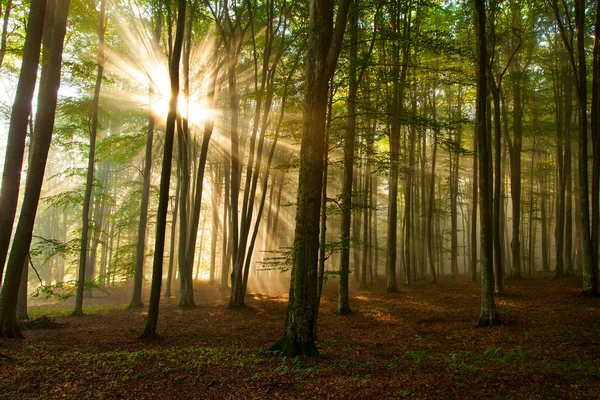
point(140, 253)
point(324, 42)
point(85, 215)
point(40, 145)
point(488, 315)
point(349, 139)
point(17, 131)
point(161, 218)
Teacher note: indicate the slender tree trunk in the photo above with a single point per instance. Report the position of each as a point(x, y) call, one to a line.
point(590, 270)
point(172, 252)
point(85, 215)
point(216, 200)
point(595, 133)
point(349, 139)
point(544, 218)
point(474, 199)
point(161, 217)
point(4, 38)
point(140, 253)
point(430, 236)
point(488, 315)
point(226, 250)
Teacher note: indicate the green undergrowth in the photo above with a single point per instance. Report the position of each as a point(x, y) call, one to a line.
point(37, 312)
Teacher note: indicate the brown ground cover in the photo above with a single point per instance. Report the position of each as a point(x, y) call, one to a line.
point(419, 343)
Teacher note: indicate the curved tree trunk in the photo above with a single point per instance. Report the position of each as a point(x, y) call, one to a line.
point(40, 145)
point(17, 131)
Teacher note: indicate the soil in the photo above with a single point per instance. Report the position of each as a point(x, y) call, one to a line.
point(419, 343)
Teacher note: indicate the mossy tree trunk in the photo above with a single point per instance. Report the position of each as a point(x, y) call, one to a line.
point(324, 42)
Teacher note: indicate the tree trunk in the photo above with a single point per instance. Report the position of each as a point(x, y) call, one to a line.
point(488, 314)
point(4, 39)
point(349, 139)
point(22, 296)
point(544, 218)
point(324, 42)
point(17, 131)
point(172, 252)
point(161, 217)
point(595, 133)
point(216, 200)
point(40, 145)
point(430, 236)
point(85, 215)
point(140, 253)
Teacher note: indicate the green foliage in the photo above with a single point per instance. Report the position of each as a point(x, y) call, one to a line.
point(64, 290)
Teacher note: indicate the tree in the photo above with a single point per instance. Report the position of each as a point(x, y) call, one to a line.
point(488, 315)
point(349, 140)
point(324, 42)
point(83, 252)
point(42, 136)
point(15, 146)
point(140, 253)
point(165, 177)
point(399, 71)
point(577, 61)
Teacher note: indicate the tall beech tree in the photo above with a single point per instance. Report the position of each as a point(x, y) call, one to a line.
point(89, 183)
point(324, 43)
point(488, 314)
point(140, 252)
point(349, 144)
point(17, 131)
point(40, 145)
point(165, 177)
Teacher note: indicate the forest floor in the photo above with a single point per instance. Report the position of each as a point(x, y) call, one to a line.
point(419, 343)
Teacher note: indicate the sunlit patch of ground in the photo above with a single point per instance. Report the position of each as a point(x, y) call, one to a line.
point(419, 343)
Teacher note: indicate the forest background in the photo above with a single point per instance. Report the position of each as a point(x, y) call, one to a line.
point(351, 141)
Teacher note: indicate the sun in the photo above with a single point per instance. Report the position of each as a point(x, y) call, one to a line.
point(194, 107)
point(195, 110)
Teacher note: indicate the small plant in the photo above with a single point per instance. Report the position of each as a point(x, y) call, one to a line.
point(418, 357)
point(492, 352)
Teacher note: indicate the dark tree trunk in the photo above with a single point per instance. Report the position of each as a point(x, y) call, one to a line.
point(140, 253)
point(172, 252)
point(399, 80)
point(474, 199)
point(165, 177)
point(430, 212)
point(17, 131)
point(498, 231)
point(595, 133)
point(349, 139)
point(323, 222)
point(488, 314)
point(4, 38)
point(544, 218)
point(324, 42)
point(22, 296)
point(589, 267)
point(87, 199)
point(40, 145)
point(217, 183)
